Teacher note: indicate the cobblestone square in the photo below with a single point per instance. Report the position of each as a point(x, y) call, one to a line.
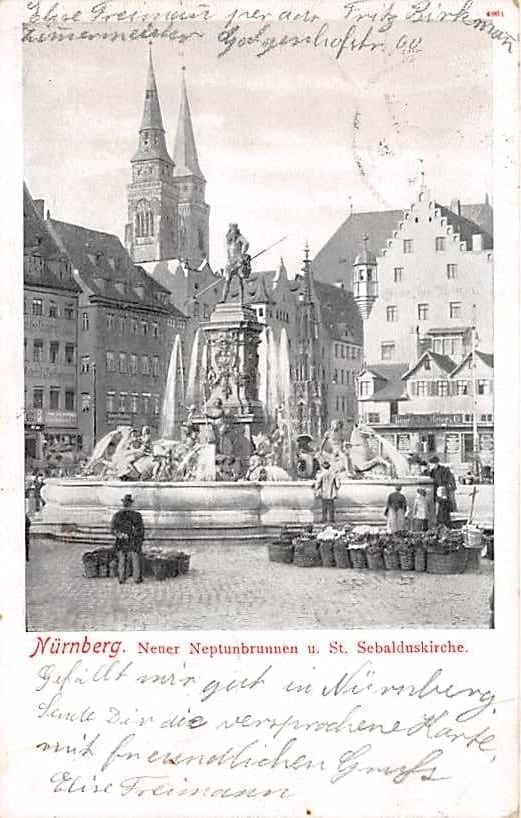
point(236, 587)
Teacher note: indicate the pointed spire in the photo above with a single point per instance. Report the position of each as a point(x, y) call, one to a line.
point(308, 280)
point(185, 151)
point(306, 261)
point(152, 119)
point(152, 144)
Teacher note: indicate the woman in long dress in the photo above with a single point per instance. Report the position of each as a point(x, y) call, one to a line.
point(395, 510)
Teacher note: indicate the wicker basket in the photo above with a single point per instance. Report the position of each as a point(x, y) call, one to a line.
point(105, 556)
point(281, 552)
point(342, 556)
point(391, 560)
point(375, 561)
point(307, 555)
point(452, 563)
point(358, 558)
point(406, 559)
point(90, 564)
point(183, 562)
point(327, 555)
point(420, 559)
point(159, 568)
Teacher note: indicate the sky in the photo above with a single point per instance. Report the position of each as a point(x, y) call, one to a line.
point(275, 136)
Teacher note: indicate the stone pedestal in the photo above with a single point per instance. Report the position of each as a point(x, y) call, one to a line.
point(233, 336)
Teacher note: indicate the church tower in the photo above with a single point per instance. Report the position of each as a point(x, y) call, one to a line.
point(152, 231)
point(194, 213)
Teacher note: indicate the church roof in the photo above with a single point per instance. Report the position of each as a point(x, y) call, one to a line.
point(106, 269)
point(152, 119)
point(153, 146)
point(185, 150)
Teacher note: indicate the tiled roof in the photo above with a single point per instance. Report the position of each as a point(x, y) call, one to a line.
point(443, 361)
point(38, 241)
point(258, 288)
point(466, 228)
point(338, 309)
point(481, 214)
point(396, 390)
point(394, 387)
point(106, 269)
point(486, 357)
point(334, 262)
point(389, 372)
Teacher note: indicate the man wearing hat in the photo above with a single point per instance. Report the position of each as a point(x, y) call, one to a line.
point(326, 487)
point(127, 525)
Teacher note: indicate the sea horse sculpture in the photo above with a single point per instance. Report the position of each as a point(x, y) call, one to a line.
point(363, 458)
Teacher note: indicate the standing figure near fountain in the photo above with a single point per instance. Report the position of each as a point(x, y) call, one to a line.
point(396, 510)
point(238, 262)
point(127, 526)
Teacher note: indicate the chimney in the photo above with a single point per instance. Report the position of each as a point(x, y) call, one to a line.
point(477, 242)
point(39, 205)
point(455, 206)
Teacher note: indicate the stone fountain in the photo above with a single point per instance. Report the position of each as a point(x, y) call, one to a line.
point(181, 486)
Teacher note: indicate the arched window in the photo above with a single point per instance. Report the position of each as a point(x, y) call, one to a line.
point(144, 219)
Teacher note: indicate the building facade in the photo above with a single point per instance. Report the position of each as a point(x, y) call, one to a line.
point(52, 433)
point(126, 327)
point(426, 300)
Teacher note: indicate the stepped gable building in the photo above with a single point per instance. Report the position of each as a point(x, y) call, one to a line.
point(168, 217)
point(126, 326)
point(425, 299)
point(50, 343)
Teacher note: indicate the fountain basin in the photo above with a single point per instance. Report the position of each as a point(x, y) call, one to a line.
point(81, 509)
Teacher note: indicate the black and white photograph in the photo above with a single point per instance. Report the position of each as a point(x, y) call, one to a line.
point(258, 284)
point(259, 415)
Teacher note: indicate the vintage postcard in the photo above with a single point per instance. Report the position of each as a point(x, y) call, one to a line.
point(259, 409)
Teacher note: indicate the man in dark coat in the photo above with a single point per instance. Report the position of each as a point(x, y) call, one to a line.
point(442, 476)
point(127, 525)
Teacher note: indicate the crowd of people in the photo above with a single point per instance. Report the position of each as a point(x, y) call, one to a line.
point(424, 512)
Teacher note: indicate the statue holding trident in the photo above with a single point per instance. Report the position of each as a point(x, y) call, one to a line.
point(238, 261)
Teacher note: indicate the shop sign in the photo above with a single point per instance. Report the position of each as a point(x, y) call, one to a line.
point(452, 444)
point(33, 417)
point(427, 421)
point(486, 443)
point(404, 443)
point(55, 417)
